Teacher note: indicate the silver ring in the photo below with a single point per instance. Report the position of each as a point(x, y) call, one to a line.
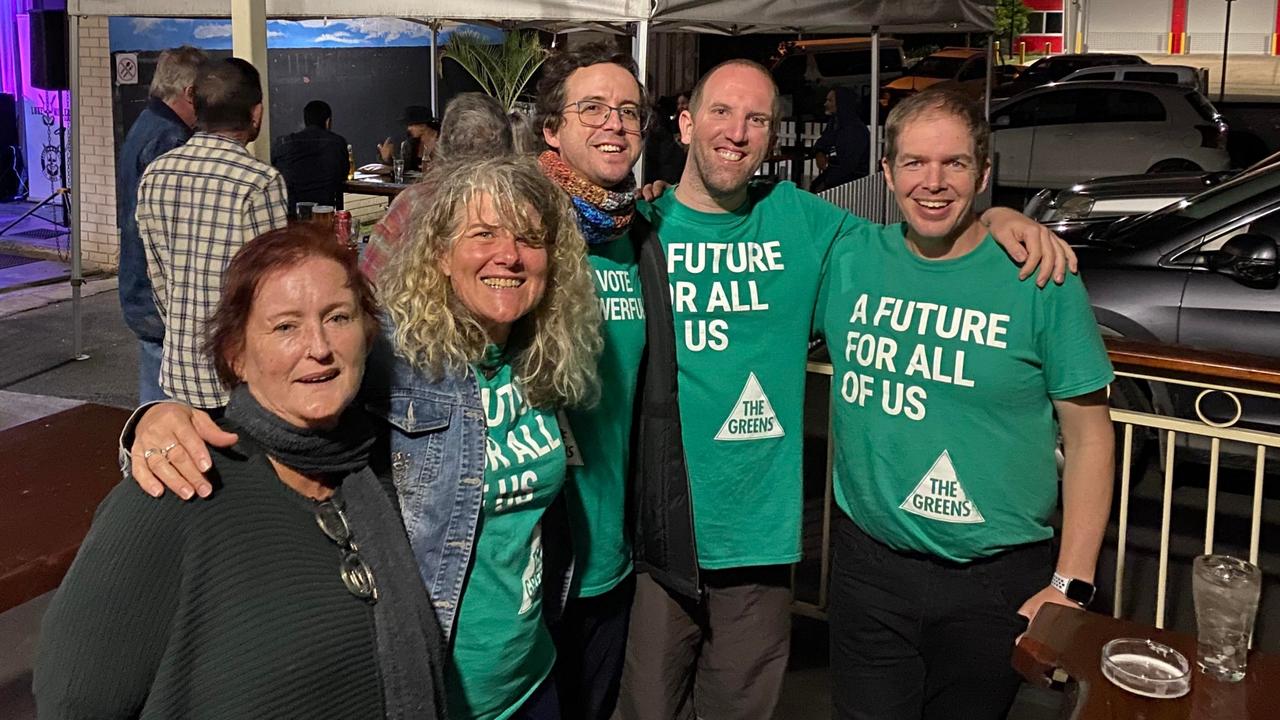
point(165, 450)
point(150, 451)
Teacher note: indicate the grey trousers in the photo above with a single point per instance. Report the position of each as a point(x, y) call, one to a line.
point(722, 657)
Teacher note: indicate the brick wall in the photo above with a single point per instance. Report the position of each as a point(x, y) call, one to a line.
point(98, 236)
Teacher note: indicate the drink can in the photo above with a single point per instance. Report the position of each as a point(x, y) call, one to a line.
point(342, 226)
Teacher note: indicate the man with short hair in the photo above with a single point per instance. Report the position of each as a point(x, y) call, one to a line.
point(165, 123)
point(313, 160)
point(948, 376)
point(593, 114)
point(197, 205)
point(730, 288)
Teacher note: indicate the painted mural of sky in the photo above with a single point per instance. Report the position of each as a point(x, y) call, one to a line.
point(215, 34)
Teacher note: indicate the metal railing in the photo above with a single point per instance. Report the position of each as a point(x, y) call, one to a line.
point(1179, 383)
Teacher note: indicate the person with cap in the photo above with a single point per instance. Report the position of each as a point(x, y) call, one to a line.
point(421, 132)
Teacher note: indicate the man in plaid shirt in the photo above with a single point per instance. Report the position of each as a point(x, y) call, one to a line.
point(197, 205)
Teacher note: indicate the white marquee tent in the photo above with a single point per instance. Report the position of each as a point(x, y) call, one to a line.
point(634, 17)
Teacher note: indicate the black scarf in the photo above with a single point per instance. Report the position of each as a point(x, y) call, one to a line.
point(410, 659)
point(341, 450)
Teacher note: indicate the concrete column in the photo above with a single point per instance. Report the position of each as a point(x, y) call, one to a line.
point(249, 42)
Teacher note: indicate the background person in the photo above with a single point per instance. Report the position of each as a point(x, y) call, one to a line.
point(946, 468)
point(197, 206)
point(421, 131)
point(245, 606)
point(164, 124)
point(843, 150)
point(313, 160)
point(475, 127)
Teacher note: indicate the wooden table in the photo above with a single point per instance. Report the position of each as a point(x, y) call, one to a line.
point(1064, 645)
point(53, 473)
point(386, 188)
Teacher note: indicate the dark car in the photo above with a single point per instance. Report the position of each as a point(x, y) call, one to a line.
point(1120, 195)
point(1055, 67)
point(1201, 272)
point(1085, 208)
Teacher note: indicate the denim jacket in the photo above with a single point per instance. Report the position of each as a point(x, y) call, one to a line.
point(436, 432)
point(157, 131)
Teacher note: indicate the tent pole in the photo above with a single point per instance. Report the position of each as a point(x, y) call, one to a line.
point(873, 157)
point(435, 44)
point(640, 50)
point(249, 42)
point(991, 71)
point(77, 269)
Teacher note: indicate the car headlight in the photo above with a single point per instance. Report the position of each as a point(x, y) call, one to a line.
point(1073, 208)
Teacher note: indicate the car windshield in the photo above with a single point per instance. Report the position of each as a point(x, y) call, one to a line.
point(1043, 71)
point(937, 67)
point(1162, 223)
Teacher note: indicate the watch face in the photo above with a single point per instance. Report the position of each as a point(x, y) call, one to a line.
point(1079, 591)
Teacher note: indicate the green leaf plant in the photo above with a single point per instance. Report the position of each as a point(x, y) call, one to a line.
point(502, 70)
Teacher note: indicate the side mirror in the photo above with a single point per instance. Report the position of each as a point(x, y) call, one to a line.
point(1001, 121)
point(1249, 258)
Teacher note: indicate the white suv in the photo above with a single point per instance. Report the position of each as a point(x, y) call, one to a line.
point(1183, 75)
point(1060, 134)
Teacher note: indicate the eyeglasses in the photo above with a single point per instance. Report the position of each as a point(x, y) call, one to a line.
point(594, 114)
point(355, 574)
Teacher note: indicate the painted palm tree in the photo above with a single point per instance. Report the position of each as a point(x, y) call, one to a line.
point(503, 70)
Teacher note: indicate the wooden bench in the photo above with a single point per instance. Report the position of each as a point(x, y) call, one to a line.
point(53, 473)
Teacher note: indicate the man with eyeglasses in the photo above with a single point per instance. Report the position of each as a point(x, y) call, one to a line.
point(592, 113)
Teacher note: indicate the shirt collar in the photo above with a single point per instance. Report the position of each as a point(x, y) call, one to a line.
point(208, 139)
point(161, 108)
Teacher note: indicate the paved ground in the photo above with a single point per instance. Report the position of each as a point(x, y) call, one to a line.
point(36, 346)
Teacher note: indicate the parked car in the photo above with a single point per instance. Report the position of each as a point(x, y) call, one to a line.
point(1060, 134)
point(1183, 75)
point(1120, 195)
point(1109, 198)
point(806, 69)
point(1055, 67)
point(965, 68)
point(1201, 272)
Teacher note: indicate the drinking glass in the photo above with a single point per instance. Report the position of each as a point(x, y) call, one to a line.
point(1226, 591)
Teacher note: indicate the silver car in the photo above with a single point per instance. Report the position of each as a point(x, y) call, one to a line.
point(1063, 133)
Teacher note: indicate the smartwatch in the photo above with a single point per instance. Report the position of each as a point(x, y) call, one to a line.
point(1077, 591)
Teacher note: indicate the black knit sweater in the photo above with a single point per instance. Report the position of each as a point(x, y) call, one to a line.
point(230, 607)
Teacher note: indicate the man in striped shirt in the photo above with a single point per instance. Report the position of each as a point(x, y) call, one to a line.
point(197, 205)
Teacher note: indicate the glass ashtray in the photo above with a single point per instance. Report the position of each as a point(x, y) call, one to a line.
point(1146, 667)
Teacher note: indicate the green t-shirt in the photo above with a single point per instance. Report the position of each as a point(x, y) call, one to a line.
point(597, 492)
point(743, 286)
point(944, 377)
point(502, 649)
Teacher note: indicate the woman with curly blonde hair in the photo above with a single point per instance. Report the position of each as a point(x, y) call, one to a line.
point(492, 327)
point(552, 346)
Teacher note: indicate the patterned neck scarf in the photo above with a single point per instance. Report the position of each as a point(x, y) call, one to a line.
point(603, 215)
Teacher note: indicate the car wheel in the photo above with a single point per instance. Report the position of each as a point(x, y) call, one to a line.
point(1174, 165)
